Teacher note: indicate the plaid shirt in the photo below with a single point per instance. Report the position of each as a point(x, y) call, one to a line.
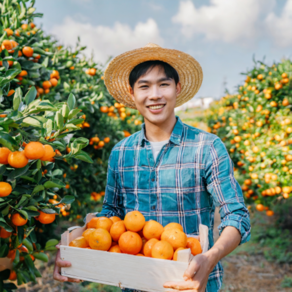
point(192, 175)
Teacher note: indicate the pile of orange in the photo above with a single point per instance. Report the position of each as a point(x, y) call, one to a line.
point(32, 150)
point(135, 236)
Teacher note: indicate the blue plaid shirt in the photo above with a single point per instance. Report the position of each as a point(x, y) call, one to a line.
point(192, 175)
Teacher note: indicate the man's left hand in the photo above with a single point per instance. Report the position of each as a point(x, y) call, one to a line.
point(196, 275)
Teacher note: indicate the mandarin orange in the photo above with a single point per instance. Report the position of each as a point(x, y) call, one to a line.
point(162, 250)
point(130, 242)
point(175, 237)
point(100, 239)
point(152, 229)
point(134, 221)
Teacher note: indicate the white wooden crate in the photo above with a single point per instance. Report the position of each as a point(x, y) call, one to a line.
point(123, 270)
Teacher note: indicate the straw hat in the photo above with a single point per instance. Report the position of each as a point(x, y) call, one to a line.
point(116, 75)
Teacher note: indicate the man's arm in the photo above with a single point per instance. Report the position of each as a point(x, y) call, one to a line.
point(235, 223)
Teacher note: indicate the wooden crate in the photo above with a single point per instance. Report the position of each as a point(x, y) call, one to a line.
point(123, 270)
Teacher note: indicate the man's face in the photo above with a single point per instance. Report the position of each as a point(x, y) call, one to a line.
point(155, 95)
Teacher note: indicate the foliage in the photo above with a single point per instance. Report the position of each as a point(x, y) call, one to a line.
point(256, 126)
point(287, 282)
point(43, 88)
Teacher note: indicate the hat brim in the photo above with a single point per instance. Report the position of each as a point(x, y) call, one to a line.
point(116, 75)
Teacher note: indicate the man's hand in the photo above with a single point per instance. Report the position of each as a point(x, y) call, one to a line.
point(196, 275)
point(62, 264)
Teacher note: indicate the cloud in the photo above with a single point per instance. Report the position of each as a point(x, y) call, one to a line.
point(226, 20)
point(107, 41)
point(280, 27)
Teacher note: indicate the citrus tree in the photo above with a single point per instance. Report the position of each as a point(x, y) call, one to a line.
point(57, 127)
point(256, 127)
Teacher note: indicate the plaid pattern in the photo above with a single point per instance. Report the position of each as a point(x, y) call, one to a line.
point(192, 175)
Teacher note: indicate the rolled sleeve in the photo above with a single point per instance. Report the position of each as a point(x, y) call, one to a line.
point(112, 204)
point(225, 191)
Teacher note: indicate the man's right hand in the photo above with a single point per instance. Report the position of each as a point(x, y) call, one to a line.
point(62, 264)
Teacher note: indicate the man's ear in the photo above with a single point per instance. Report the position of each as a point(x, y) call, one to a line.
point(178, 88)
point(131, 91)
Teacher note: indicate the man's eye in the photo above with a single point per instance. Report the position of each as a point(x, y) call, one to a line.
point(144, 86)
point(164, 84)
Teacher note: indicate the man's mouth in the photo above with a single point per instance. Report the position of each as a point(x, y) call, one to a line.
point(158, 106)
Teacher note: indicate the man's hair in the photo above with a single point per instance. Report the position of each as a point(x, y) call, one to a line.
point(142, 68)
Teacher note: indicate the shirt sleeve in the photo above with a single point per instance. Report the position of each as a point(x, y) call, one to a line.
point(112, 205)
point(225, 191)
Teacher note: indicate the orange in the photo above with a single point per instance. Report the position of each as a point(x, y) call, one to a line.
point(55, 74)
point(100, 143)
point(10, 92)
point(144, 240)
point(5, 189)
point(27, 51)
point(103, 222)
point(11, 254)
point(106, 139)
point(100, 239)
point(4, 233)
point(115, 248)
point(117, 229)
point(4, 152)
point(18, 220)
point(270, 213)
point(12, 275)
point(34, 150)
point(175, 237)
point(9, 31)
point(140, 255)
point(22, 73)
point(130, 242)
point(46, 218)
point(173, 225)
point(79, 242)
point(7, 44)
point(17, 159)
point(49, 153)
point(190, 240)
point(54, 81)
point(162, 250)
point(115, 219)
point(148, 246)
point(47, 84)
point(87, 232)
point(176, 252)
point(260, 207)
point(104, 109)
point(196, 247)
point(40, 90)
point(24, 26)
point(134, 221)
point(152, 229)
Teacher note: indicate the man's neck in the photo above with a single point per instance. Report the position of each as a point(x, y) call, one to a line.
point(159, 132)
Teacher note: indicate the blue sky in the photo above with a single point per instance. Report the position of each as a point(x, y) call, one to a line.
point(223, 35)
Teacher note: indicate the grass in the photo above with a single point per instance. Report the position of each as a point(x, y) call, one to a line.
point(287, 282)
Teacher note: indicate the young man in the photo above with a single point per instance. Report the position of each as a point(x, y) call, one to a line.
point(169, 171)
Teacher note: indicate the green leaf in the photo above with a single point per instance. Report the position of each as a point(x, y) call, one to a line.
point(73, 113)
point(18, 172)
point(67, 200)
point(32, 122)
point(51, 243)
point(71, 101)
point(28, 244)
point(41, 256)
point(38, 189)
point(48, 211)
point(59, 120)
point(30, 96)
point(71, 126)
point(23, 199)
point(6, 227)
point(49, 127)
point(65, 111)
point(7, 141)
point(83, 156)
point(4, 250)
point(23, 213)
point(54, 184)
point(57, 172)
point(17, 98)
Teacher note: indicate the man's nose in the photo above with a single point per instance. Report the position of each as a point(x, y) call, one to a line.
point(155, 93)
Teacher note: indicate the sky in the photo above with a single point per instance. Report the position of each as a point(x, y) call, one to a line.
point(222, 35)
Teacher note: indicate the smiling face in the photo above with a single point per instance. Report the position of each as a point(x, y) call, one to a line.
point(155, 95)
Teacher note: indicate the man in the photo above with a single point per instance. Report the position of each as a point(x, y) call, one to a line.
point(169, 171)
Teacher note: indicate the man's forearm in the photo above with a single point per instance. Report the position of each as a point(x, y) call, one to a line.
point(226, 243)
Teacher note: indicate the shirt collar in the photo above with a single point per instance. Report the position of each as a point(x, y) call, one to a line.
point(175, 137)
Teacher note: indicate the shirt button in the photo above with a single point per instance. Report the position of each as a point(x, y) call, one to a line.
point(153, 207)
point(153, 179)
